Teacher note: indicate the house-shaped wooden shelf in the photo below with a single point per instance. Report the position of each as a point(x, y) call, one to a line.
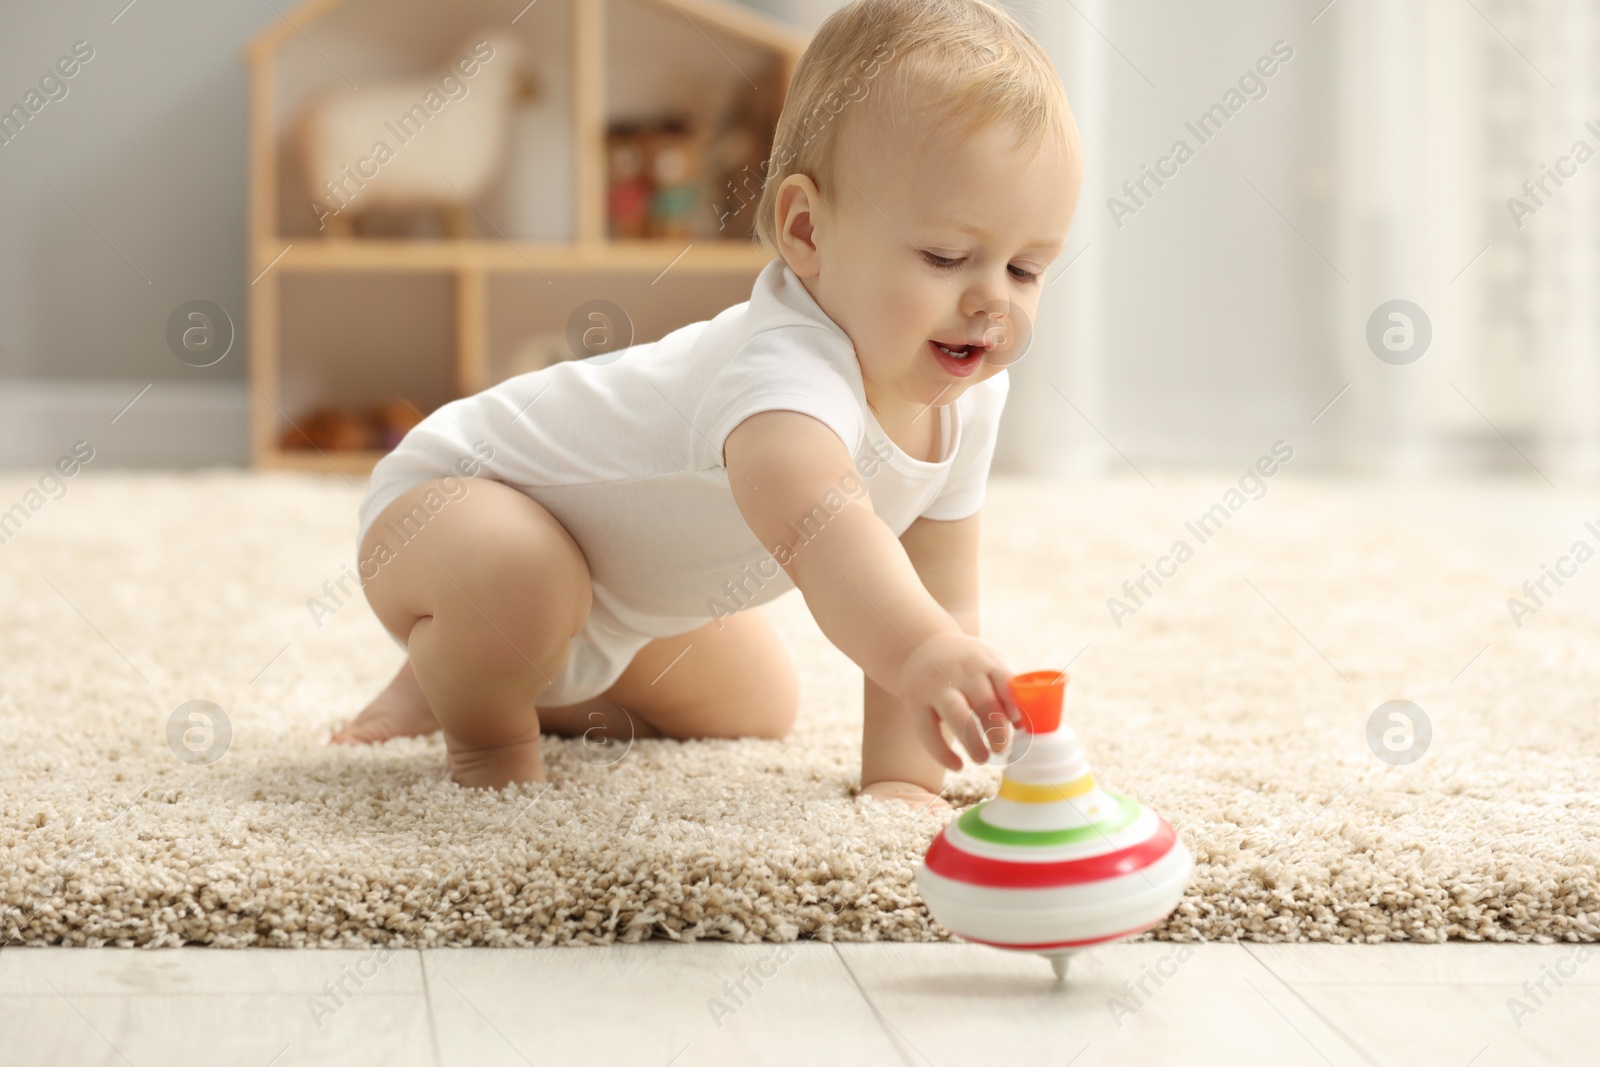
point(421, 313)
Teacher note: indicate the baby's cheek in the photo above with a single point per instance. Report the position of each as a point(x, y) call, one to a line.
point(907, 310)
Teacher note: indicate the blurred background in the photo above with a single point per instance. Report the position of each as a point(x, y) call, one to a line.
point(1377, 241)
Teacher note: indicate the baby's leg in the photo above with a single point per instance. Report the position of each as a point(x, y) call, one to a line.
point(729, 680)
point(487, 588)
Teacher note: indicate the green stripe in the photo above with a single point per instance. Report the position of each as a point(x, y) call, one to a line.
point(972, 824)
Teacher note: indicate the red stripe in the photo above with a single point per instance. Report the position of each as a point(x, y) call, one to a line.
point(1040, 945)
point(948, 861)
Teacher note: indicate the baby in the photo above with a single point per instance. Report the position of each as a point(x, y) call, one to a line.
point(587, 547)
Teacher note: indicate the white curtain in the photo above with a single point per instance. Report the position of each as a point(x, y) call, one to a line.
point(1447, 110)
point(1058, 390)
point(1430, 116)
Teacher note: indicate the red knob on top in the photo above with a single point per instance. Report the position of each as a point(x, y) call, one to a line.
point(1038, 694)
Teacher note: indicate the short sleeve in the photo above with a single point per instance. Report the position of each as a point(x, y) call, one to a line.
point(963, 490)
point(788, 368)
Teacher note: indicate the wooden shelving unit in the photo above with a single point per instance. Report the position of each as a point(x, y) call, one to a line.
point(279, 259)
point(381, 255)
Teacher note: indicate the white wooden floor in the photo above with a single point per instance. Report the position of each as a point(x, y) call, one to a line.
point(885, 1005)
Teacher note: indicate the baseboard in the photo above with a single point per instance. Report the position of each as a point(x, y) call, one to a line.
point(170, 424)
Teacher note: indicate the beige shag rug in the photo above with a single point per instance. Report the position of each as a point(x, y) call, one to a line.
point(1235, 700)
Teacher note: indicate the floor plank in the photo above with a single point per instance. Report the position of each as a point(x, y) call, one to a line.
point(1405, 1025)
point(1453, 963)
point(1137, 1004)
point(334, 973)
point(922, 1005)
point(177, 1030)
point(651, 1004)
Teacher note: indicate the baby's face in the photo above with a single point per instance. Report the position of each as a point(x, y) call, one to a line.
point(942, 242)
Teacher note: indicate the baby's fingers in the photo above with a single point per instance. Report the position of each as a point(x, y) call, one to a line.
point(956, 711)
point(926, 723)
point(1005, 704)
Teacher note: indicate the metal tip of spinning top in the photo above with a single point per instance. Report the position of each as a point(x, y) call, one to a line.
point(1058, 964)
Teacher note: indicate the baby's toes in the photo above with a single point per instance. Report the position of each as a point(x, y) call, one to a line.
point(390, 715)
point(363, 731)
point(918, 798)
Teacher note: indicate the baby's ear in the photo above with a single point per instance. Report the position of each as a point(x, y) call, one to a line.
point(797, 202)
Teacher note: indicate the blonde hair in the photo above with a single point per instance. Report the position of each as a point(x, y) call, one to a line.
point(965, 64)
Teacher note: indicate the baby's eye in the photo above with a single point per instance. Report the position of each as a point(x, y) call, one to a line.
point(1025, 276)
point(942, 262)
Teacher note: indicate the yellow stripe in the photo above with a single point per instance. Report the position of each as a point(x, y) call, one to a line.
point(1046, 792)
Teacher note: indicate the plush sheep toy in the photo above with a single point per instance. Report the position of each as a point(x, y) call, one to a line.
point(430, 143)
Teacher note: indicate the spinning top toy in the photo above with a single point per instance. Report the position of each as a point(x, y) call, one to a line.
point(1056, 862)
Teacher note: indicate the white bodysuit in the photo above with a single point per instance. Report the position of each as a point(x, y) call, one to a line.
point(625, 450)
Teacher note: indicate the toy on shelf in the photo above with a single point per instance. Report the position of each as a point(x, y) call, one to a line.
point(392, 420)
point(534, 352)
point(742, 126)
point(364, 153)
point(675, 178)
point(654, 179)
point(1055, 863)
point(335, 428)
point(627, 183)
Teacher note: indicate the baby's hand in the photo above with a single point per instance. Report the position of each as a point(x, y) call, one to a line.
point(957, 679)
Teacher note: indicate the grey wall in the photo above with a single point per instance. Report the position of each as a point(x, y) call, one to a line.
point(146, 154)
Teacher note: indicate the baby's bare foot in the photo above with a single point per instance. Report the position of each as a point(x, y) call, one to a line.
point(516, 761)
point(400, 710)
point(917, 797)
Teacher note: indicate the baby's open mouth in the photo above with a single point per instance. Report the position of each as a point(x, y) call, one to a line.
point(958, 359)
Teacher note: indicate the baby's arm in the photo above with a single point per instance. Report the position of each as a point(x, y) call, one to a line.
point(863, 588)
point(945, 555)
